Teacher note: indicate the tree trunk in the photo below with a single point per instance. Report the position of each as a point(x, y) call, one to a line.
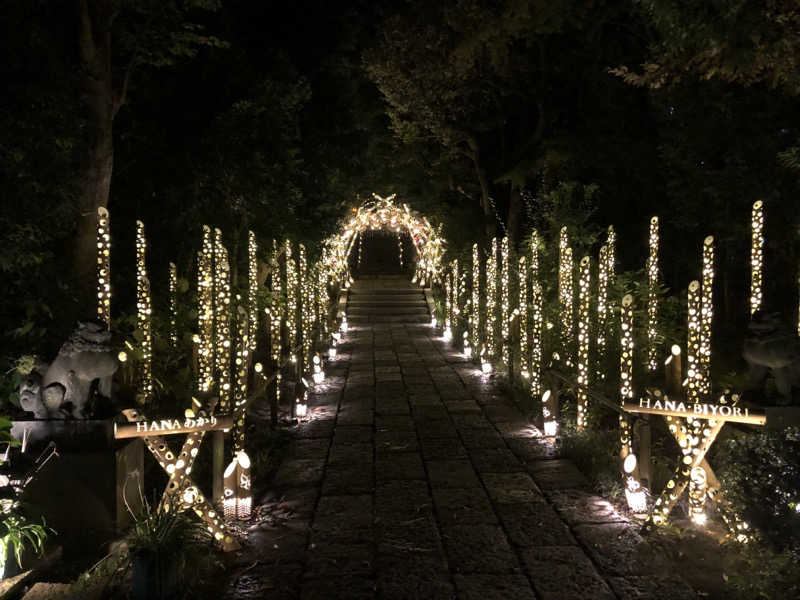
point(94, 31)
point(514, 224)
point(488, 212)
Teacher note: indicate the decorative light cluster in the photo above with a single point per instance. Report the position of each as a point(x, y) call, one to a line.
point(602, 309)
point(522, 315)
point(565, 294)
point(475, 319)
point(242, 366)
point(205, 312)
point(103, 267)
point(505, 301)
point(707, 314)
point(143, 314)
point(238, 500)
point(360, 247)
point(626, 371)
point(634, 492)
point(652, 297)
point(252, 286)
point(173, 305)
point(222, 321)
point(584, 295)
point(383, 213)
point(490, 334)
point(694, 371)
point(756, 256)
point(536, 319)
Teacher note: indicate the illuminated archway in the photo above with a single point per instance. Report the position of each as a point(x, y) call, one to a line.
point(383, 213)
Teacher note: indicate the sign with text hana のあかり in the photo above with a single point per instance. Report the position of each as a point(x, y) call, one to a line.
point(173, 425)
point(700, 410)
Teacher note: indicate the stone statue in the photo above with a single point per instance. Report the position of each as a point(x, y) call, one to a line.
point(85, 365)
point(770, 346)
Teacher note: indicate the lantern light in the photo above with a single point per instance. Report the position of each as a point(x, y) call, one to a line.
point(237, 499)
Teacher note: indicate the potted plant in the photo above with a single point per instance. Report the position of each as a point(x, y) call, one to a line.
point(161, 545)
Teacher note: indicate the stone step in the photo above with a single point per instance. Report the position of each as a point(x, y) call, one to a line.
point(354, 291)
point(388, 319)
point(390, 305)
point(411, 310)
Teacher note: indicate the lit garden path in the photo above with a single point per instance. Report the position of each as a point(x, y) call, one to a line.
point(417, 477)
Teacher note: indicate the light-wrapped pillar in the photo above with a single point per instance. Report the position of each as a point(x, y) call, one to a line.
point(143, 316)
point(707, 315)
point(584, 293)
point(626, 371)
point(104, 267)
point(652, 297)
point(505, 304)
point(756, 256)
point(565, 296)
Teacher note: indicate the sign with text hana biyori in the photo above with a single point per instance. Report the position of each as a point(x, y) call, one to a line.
point(171, 426)
point(700, 410)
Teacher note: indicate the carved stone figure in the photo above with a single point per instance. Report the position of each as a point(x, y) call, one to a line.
point(84, 365)
point(770, 346)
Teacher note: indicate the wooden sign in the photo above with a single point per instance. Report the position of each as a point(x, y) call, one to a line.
point(716, 412)
point(172, 425)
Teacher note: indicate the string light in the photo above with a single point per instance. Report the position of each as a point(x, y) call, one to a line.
point(505, 301)
point(602, 310)
point(707, 315)
point(205, 313)
point(448, 303)
point(491, 301)
point(476, 323)
point(252, 286)
point(584, 292)
point(306, 316)
point(565, 294)
point(360, 247)
point(400, 249)
point(535, 368)
point(626, 371)
point(143, 314)
point(103, 267)
point(222, 321)
point(455, 305)
point(522, 314)
point(756, 256)
point(274, 314)
point(694, 372)
point(652, 297)
point(173, 305)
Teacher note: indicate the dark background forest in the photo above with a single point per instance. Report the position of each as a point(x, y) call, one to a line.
point(485, 116)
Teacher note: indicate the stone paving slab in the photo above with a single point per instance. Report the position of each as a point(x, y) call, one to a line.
point(418, 477)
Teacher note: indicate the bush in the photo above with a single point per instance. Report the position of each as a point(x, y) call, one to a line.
point(761, 480)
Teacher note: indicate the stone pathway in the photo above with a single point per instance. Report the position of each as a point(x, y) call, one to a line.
point(416, 477)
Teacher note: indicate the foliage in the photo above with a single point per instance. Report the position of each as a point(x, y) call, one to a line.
point(17, 533)
point(760, 476)
point(594, 451)
point(762, 573)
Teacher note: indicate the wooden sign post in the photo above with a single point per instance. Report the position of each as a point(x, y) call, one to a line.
point(181, 492)
point(695, 427)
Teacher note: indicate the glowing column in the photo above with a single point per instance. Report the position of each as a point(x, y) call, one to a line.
point(143, 313)
point(305, 307)
point(652, 297)
point(756, 256)
point(205, 312)
point(611, 253)
point(694, 370)
point(565, 294)
point(456, 304)
point(626, 371)
point(222, 321)
point(505, 301)
point(448, 303)
point(584, 284)
point(602, 310)
point(522, 314)
point(237, 500)
point(491, 301)
point(475, 324)
point(242, 366)
point(535, 368)
point(173, 305)
point(103, 267)
point(252, 287)
point(291, 297)
point(706, 315)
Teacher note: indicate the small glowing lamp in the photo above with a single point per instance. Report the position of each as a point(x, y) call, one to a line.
point(237, 499)
point(447, 334)
point(122, 356)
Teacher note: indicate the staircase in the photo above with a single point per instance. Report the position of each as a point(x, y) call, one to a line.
point(386, 299)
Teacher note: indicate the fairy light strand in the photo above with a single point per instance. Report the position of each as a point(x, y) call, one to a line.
point(756, 256)
point(173, 305)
